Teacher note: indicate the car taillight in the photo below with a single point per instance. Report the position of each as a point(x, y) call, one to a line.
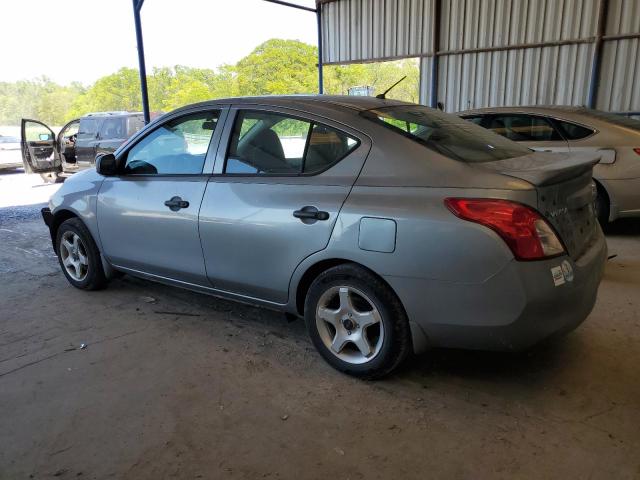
point(637, 150)
point(525, 231)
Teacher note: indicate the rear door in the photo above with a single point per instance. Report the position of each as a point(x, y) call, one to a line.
point(87, 140)
point(39, 149)
point(279, 182)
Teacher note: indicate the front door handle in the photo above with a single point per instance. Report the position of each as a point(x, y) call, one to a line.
point(176, 203)
point(310, 213)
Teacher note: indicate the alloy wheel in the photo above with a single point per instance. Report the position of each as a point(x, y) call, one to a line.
point(349, 324)
point(73, 254)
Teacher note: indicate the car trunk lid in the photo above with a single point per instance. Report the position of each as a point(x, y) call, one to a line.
point(565, 192)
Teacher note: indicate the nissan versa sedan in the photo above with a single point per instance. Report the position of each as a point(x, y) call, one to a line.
point(616, 139)
point(390, 227)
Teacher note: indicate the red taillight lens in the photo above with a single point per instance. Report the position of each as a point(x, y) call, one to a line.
point(525, 231)
point(637, 150)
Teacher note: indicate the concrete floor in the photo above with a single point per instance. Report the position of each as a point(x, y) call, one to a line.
point(174, 384)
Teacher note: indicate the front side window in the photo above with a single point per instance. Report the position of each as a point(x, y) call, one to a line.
point(523, 128)
point(88, 127)
point(446, 134)
point(112, 128)
point(177, 147)
point(265, 143)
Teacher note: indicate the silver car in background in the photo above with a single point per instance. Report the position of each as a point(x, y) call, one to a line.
point(10, 157)
point(390, 227)
point(616, 139)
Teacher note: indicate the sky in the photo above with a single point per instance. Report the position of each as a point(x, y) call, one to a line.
point(82, 40)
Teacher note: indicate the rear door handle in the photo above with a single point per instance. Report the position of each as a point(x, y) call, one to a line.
point(176, 203)
point(311, 213)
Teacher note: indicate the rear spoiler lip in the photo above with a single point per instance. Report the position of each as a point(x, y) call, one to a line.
point(541, 169)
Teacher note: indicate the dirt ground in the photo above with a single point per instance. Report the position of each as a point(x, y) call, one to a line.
point(173, 384)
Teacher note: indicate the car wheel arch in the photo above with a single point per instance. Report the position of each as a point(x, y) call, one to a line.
point(607, 195)
point(59, 218)
point(419, 338)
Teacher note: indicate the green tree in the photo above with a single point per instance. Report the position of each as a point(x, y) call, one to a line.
point(278, 67)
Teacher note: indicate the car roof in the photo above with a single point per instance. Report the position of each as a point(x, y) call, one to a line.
point(542, 109)
point(111, 114)
point(353, 102)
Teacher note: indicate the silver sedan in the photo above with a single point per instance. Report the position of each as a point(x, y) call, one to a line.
point(389, 227)
point(616, 139)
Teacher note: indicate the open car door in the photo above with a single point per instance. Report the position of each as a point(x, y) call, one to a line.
point(39, 149)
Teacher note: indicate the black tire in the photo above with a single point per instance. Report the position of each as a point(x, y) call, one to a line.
point(52, 177)
point(396, 342)
point(602, 206)
point(94, 278)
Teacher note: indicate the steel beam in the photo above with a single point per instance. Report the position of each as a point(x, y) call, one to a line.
point(137, 6)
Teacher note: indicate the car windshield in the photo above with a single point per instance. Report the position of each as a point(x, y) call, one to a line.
point(446, 134)
point(614, 118)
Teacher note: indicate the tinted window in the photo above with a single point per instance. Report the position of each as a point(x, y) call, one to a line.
point(112, 128)
point(476, 120)
point(571, 131)
point(523, 128)
point(88, 126)
point(446, 134)
point(176, 147)
point(271, 143)
point(134, 124)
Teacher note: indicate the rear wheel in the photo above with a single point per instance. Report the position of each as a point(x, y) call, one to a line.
point(52, 177)
point(356, 322)
point(79, 256)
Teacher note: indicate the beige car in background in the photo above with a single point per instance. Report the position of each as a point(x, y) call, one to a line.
point(578, 129)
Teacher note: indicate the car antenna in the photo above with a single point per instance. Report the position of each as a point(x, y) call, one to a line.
point(383, 95)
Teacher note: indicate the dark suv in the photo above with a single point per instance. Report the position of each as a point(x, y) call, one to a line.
point(76, 146)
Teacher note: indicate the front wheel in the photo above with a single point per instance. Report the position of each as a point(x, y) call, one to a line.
point(79, 256)
point(356, 322)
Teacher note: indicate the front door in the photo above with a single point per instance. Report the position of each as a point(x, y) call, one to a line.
point(87, 140)
point(39, 149)
point(113, 133)
point(274, 198)
point(148, 215)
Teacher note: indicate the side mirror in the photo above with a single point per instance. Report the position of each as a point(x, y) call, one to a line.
point(106, 164)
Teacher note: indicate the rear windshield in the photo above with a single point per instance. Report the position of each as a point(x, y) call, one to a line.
point(446, 134)
point(614, 118)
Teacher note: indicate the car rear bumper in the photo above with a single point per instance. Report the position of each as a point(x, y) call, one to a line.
point(516, 308)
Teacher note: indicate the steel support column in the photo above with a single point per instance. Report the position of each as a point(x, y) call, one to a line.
point(137, 6)
point(594, 81)
point(435, 59)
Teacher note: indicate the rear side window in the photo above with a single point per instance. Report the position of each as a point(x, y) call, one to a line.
point(523, 128)
point(446, 134)
point(571, 131)
point(265, 143)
